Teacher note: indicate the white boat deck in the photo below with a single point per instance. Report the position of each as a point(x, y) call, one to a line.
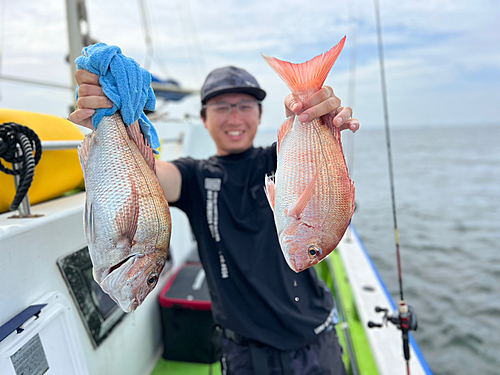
point(369, 292)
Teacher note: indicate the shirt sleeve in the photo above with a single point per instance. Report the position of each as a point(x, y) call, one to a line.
point(273, 156)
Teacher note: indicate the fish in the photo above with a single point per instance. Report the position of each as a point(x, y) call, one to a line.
point(127, 218)
point(310, 193)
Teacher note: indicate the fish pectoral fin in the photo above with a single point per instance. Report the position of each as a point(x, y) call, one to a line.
point(83, 151)
point(283, 131)
point(134, 132)
point(270, 190)
point(89, 223)
point(295, 210)
point(128, 216)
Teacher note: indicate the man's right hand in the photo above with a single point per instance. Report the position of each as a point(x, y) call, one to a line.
point(90, 97)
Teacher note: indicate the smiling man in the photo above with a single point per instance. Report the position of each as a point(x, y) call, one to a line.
point(232, 121)
point(273, 320)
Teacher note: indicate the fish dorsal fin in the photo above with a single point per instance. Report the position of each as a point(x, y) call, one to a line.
point(127, 217)
point(134, 132)
point(84, 149)
point(270, 190)
point(284, 129)
point(306, 78)
point(295, 210)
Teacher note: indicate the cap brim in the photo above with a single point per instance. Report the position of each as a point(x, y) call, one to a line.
point(256, 92)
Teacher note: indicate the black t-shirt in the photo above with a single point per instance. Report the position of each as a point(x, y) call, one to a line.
point(254, 292)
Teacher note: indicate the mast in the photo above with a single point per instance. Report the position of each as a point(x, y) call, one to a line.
point(76, 16)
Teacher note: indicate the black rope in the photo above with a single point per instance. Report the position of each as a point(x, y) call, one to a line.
point(19, 145)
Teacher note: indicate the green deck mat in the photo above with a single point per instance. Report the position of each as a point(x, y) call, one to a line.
point(164, 367)
point(362, 351)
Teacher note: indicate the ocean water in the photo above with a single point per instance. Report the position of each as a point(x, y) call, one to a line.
point(447, 184)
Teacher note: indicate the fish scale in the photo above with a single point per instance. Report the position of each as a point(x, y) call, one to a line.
point(127, 218)
point(322, 148)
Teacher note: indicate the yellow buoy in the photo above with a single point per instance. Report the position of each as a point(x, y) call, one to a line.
point(57, 172)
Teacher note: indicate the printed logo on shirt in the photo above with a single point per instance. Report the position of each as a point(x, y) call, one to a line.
point(224, 272)
point(212, 185)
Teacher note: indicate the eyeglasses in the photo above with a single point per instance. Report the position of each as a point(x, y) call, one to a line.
point(244, 107)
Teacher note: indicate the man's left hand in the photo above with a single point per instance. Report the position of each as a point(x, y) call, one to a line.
point(320, 104)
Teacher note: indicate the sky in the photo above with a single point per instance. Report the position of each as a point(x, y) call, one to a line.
point(442, 58)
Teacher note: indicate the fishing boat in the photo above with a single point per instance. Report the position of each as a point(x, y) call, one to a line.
point(54, 318)
point(54, 315)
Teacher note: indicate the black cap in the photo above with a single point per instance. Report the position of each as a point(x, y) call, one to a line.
point(230, 79)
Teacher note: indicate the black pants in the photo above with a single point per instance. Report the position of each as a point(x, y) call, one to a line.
point(323, 357)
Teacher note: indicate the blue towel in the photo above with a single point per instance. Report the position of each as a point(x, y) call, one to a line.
point(125, 83)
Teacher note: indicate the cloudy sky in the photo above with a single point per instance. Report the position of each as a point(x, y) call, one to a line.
point(442, 57)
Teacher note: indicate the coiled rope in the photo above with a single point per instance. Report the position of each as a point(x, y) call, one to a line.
point(20, 146)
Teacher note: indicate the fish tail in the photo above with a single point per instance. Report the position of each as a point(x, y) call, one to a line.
point(306, 78)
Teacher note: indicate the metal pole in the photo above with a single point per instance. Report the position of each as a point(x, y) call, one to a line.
point(75, 37)
point(60, 145)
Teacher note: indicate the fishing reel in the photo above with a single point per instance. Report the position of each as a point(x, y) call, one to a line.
point(404, 318)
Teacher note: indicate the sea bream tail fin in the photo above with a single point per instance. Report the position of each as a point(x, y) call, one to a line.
point(306, 78)
point(295, 210)
point(284, 129)
point(134, 132)
point(270, 189)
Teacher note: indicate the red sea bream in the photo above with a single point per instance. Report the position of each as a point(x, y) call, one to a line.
point(311, 193)
point(127, 218)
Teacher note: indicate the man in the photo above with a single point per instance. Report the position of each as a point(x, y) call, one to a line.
point(273, 320)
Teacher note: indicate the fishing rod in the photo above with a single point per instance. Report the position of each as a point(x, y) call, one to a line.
point(404, 318)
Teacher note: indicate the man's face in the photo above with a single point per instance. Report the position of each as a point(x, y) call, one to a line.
point(232, 132)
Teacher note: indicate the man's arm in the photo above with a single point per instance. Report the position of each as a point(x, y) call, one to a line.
point(91, 97)
point(170, 180)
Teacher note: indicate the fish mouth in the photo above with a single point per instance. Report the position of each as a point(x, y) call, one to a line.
point(116, 284)
point(128, 306)
point(297, 263)
point(293, 262)
point(295, 259)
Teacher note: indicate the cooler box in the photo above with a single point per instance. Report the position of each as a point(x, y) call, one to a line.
point(189, 332)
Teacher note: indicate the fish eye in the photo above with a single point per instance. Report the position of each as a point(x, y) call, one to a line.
point(152, 278)
point(314, 251)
